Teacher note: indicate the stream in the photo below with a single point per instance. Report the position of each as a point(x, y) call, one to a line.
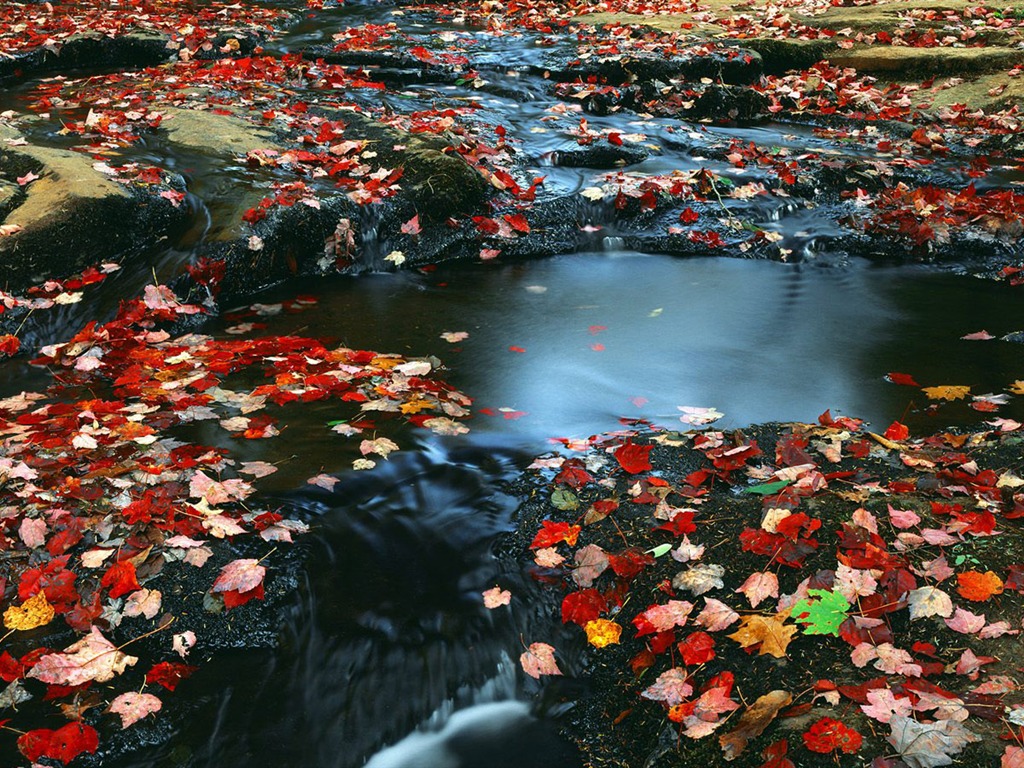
point(388, 658)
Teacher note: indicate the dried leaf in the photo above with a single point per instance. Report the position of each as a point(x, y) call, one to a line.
point(91, 658)
point(770, 633)
point(753, 722)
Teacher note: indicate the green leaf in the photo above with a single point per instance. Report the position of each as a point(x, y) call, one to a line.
point(767, 489)
point(565, 500)
point(660, 550)
point(822, 616)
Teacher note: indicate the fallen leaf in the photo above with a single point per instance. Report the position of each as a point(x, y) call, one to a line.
point(947, 392)
point(91, 658)
point(240, 576)
point(978, 587)
point(539, 659)
point(496, 597)
point(34, 612)
point(132, 707)
point(602, 632)
point(928, 745)
point(769, 633)
point(753, 722)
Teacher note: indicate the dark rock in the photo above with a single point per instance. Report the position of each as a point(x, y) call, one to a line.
point(733, 66)
point(131, 51)
point(600, 155)
point(74, 216)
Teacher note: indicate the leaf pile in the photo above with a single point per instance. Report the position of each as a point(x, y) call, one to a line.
point(889, 575)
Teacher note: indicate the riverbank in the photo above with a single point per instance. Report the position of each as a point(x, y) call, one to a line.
point(742, 592)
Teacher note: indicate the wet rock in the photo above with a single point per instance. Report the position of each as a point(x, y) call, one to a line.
point(734, 66)
point(73, 215)
point(439, 182)
point(134, 50)
point(781, 56)
point(601, 155)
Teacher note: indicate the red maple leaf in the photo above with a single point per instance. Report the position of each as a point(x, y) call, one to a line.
point(120, 578)
point(582, 606)
point(552, 533)
point(169, 674)
point(697, 648)
point(63, 744)
point(828, 735)
point(633, 458)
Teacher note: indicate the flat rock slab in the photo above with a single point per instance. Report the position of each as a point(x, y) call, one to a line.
point(927, 61)
point(137, 49)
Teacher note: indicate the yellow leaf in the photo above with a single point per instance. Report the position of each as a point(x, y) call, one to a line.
point(1017, 388)
point(34, 612)
point(602, 632)
point(415, 406)
point(946, 392)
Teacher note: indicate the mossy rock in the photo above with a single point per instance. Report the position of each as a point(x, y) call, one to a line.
point(73, 215)
point(927, 61)
point(438, 181)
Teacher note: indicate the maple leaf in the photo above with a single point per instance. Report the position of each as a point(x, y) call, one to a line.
point(929, 601)
point(539, 659)
point(591, 561)
point(91, 658)
point(633, 458)
point(496, 597)
point(671, 687)
point(701, 717)
point(169, 674)
point(965, 622)
point(928, 745)
point(978, 587)
point(768, 633)
point(144, 602)
point(760, 586)
point(948, 392)
point(883, 704)
point(658, 618)
point(132, 707)
point(700, 578)
point(552, 533)
point(697, 648)
point(823, 613)
point(828, 735)
point(64, 744)
point(34, 612)
point(120, 578)
point(602, 632)
point(758, 716)
point(240, 576)
point(716, 615)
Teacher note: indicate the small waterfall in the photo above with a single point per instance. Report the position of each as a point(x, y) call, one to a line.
point(371, 250)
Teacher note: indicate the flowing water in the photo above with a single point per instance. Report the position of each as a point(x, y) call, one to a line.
point(388, 655)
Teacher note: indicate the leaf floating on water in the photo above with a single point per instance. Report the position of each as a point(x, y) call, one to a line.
point(947, 392)
point(495, 597)
point(539, 659)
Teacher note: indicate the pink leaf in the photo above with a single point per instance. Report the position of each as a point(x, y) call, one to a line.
point(539, 659)
point(671, 687)
point(716, 615)
point(132, 707)
point(240, 576)
point(760, 586)
point(496, 597)
point(965, 622)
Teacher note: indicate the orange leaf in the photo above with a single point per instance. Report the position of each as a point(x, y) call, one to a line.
point(947, 392)
point(602, 632)
point(977, 586)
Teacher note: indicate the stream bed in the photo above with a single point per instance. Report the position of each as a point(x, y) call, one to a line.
point(388, 657)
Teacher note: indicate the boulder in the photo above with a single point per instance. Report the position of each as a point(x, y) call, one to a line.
point(73, 215)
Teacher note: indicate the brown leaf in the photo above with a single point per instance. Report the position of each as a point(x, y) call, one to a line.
point(769, 631)
point(753, 722)
point(946, 392)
